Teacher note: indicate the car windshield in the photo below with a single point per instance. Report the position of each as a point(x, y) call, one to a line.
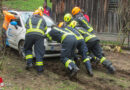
point(26, 15)
point(49, 21)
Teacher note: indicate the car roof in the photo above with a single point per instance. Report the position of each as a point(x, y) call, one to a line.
point(31, 13)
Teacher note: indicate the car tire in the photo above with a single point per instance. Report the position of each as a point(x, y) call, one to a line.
point(21, 50)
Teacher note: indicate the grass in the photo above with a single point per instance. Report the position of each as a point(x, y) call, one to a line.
point(110, 42)
point(25, 5)
point(123, 82)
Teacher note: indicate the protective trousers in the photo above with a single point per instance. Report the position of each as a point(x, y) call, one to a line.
point(96, 49)
point(82, 48)
point(39, 49)
point(67, 51)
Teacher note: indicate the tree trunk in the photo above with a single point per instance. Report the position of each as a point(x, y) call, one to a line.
point(1, 21)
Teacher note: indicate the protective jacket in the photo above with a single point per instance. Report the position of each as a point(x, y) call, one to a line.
point(82, 21)
point(88, 37)
point(7, 18)
point(57, 34)
point(74, 32)
point(36, 25)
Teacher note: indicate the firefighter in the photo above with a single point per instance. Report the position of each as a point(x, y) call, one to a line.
point(35, 34)
point(93, 45)
point(81, 46)
point(68, 42)
point(7, 19)
point(82, 21)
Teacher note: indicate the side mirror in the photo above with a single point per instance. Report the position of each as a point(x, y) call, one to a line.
point(14, 23)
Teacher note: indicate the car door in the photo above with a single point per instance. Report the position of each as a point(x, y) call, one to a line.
point(13, 32)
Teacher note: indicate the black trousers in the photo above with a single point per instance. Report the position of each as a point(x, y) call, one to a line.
point(39, 49)
point(82, 48)
point(68, 48)
point(95, 48)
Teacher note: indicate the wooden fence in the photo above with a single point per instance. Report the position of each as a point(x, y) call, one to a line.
point(103, 14)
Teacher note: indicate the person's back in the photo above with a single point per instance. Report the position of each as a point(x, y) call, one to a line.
point(76, 33)
point(83, 22)
point(88, 37)
point(38, 25)
point(58, 34)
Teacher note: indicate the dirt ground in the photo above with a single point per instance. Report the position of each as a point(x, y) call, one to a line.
point(55, 76)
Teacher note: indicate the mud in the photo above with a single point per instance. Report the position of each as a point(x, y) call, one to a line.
point(101, 80)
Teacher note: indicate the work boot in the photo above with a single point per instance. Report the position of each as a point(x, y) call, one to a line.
point(107, 64)
point(73, 69)
point(89, 68)
point(29, 66)
point(74, 72)
point(39, 70)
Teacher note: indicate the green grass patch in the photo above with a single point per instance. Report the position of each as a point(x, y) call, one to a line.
point(25, 5)
point(112, 80)
point(110, 42)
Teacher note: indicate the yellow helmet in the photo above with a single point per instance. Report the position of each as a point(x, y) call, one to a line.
point(67, 17)
point(75, 10)
point(38, 12)
point(73, 24)
point(41, 8)
point(61, 24)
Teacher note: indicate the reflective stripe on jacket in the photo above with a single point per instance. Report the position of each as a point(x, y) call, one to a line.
point(88, 37)
point(58, 34)
point(82, 21)
point(36, 25)
point(74, 32)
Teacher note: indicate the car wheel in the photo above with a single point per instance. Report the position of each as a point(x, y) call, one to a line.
point(21, 50)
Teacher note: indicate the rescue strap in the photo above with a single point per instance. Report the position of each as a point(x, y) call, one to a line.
point(29, 56)
point(102, 60)
point(39, 63)
point(77, 37)
point(90, 28)
point(90, 36)
point(85, 60)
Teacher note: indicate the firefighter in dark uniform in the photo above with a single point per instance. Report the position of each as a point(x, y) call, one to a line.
point(68, 42)
point(82, 21)
point(81, 46)
point(35, 34)
point(93, 45)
